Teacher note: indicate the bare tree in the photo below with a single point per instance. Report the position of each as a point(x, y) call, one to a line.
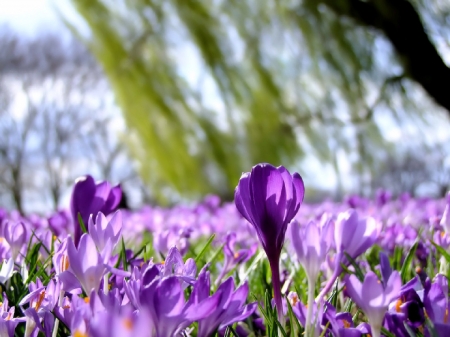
point(54, 123)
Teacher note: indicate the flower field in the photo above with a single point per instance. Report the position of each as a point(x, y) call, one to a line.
point(267, 264)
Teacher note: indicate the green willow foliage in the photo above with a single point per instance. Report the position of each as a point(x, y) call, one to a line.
point(208, 88)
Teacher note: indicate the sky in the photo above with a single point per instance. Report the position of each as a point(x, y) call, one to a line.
point(32, 16)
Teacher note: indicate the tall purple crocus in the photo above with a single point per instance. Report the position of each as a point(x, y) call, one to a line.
point(269, 197)
point(90, 198)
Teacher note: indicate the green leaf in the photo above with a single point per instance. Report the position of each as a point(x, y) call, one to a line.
point(407, 263)
point(358, 272)
point(295, 324)
point(205, 247)
point(124, 255)
point(442, 251)
point(81, 222)
point(386, 332)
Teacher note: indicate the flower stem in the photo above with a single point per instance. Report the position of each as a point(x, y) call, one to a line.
point(276, 284)
point(376, 331)
point(56, 326)
point(329, 284)
point(309, 324)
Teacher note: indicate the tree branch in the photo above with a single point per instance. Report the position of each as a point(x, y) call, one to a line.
point(401, 24)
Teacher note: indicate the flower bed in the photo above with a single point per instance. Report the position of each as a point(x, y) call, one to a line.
point(266, 265)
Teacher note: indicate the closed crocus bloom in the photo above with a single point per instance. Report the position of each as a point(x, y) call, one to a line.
point(353, 236)
point(372, 297)
point(103, 231)
point(269, 197)
point(445, 220)
point(311, 246)
point(15, 234)
point(90, 198)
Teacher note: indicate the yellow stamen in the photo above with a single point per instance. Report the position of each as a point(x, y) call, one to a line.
point(446, 316)
point(87, 300)
point(398, 304)
point(236, 255)
point(78, 333)
point(346, 324)
point(39, 301)
point(163, 262)
point(65, 263)
point(128, 323)
point(294, 300)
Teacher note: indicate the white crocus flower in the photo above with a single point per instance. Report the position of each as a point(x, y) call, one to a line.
point(7, 271)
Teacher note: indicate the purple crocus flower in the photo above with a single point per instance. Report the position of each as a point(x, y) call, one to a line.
point(164, 301)
point(269, 197)
point(234, 257)
point(409, 307)
point(111, 324)
point(229, 305)
point(90, 198)
point(372, 297)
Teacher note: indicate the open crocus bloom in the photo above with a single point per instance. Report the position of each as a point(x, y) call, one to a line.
point(372, 297)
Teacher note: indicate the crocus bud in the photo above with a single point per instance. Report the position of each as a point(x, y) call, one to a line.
point(269, 197)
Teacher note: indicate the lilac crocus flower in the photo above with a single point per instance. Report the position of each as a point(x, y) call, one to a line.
point(174, 265)
point(311, 246)
point(353, 236)
point(90, 198)
point(269, 197)
point(15, 234)
point(8, 323)
point(85, 263)
point(103, 231)
point(372, 297)
point(445, 220)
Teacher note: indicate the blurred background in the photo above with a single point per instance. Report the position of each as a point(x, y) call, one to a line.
point(174, 99)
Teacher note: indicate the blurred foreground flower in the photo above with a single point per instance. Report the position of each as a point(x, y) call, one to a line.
point(269, 197)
